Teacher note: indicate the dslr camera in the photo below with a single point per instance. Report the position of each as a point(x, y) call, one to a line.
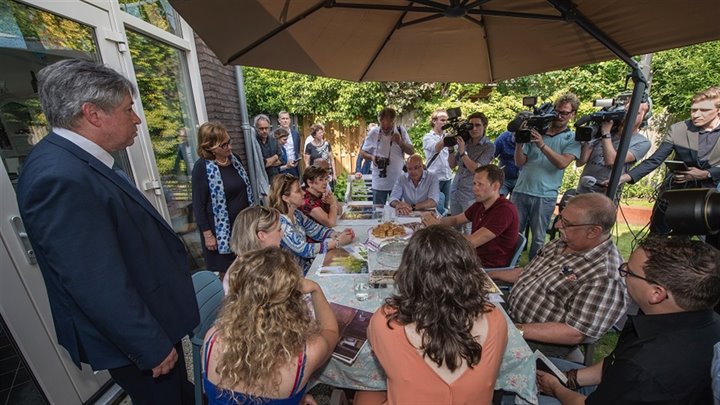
point(456, 127)
point(539, 119)
point(382, 164)
point(587, 127)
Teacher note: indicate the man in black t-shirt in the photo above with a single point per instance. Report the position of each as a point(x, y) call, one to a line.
point(664, 353)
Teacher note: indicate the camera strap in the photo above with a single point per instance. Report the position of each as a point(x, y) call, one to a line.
point(380, 136)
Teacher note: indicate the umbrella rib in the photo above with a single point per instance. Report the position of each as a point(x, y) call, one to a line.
point(385, 7)
point(481, 24)
point(421, 20)
point(514, 14)
point(380, 49)
point(276, 31)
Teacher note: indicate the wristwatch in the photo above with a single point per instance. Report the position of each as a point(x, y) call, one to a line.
point(606, 136)
point(413, 207)
point(463, 154)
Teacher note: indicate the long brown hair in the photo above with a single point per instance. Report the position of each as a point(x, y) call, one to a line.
point(442, 289)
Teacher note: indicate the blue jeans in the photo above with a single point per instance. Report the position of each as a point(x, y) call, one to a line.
point(458, 205)
point(380, 196)
point(445, 190)
point(507, 187)
point(535, 211)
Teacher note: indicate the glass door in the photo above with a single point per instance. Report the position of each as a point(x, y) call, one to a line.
point(34, 34)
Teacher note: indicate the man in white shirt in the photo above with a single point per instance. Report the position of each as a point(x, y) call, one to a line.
point(386, 147)
point(292, 146)
point(437, 154)
point(417, 189)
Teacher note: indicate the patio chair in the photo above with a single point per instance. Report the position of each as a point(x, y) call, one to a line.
point(209, 294)
point(519, 247)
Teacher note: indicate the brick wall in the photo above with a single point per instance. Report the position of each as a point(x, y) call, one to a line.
point(221, 97)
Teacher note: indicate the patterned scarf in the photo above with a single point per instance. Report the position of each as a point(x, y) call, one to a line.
point(219, 204)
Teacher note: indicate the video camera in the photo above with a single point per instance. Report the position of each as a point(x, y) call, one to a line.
point(539, 119)
point(587, 127)
point(456, 127)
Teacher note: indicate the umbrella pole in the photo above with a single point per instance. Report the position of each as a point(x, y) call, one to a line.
point(619, 165)
point(259, 190)
point(568, 9)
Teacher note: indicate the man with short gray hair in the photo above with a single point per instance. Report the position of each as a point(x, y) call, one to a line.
point(117, 275)
point(268, 145)
point(571, 291)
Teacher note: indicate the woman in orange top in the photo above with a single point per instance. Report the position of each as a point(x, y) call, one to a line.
point(438, 338)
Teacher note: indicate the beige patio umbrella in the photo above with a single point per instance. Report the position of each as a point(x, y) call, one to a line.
point(452, 41)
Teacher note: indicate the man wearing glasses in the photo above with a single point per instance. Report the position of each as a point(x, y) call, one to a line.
point(543, 162)
point(268, 145)
point(664, 353)
point(570, 292)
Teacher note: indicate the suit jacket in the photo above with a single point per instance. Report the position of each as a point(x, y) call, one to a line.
point(116, 274)
point(682, 138)
point(297, 142)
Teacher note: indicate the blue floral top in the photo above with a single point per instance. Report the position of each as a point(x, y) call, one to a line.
point(295, 235)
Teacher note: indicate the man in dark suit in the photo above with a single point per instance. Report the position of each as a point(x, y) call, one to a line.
point(292, 146)
point(116, 274)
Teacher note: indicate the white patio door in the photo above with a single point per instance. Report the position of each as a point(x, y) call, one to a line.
point(34, 34)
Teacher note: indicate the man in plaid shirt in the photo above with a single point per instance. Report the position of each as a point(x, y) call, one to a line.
point(571, 291)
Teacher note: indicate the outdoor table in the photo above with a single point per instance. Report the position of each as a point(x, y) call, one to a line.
point(517, 370)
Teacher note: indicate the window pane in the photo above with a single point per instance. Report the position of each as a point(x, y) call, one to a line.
point(31, 39)
point(164, 85)
point(156, 12)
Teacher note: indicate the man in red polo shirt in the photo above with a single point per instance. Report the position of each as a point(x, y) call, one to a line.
point(494, 219)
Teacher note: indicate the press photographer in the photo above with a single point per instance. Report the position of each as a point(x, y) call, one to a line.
point(386, 147)
point(599, 134)
point(543, 162)
point(469, 155)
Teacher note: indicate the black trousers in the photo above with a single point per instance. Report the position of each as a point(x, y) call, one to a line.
point(171, 388)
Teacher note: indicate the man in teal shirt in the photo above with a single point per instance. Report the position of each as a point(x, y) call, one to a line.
point(543, 161)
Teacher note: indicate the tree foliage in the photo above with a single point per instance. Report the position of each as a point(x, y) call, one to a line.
point(677, 75)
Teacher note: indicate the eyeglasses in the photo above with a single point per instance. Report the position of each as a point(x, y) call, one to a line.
point(225, 144)
point(477, 125)
point(567, 224)
point(263, 128)
point(625, 271)
point(565, 113)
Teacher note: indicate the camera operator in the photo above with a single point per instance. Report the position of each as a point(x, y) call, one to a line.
point(598, 155)
point(468, 157)
point(433, 145)
point(543, 162)
point(696, 142)
point(385, 146)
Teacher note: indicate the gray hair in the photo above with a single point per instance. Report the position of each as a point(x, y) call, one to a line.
point(65, 86)
point(597, 209)
point(260, 117)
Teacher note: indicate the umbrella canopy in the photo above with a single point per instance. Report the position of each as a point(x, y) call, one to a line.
point(449, 41)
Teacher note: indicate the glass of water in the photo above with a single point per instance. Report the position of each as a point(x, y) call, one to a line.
point(362, 291)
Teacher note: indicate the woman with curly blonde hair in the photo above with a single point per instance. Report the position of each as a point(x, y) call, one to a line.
point(265, 345)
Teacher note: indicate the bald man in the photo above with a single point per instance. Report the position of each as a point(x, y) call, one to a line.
point(417, 189)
